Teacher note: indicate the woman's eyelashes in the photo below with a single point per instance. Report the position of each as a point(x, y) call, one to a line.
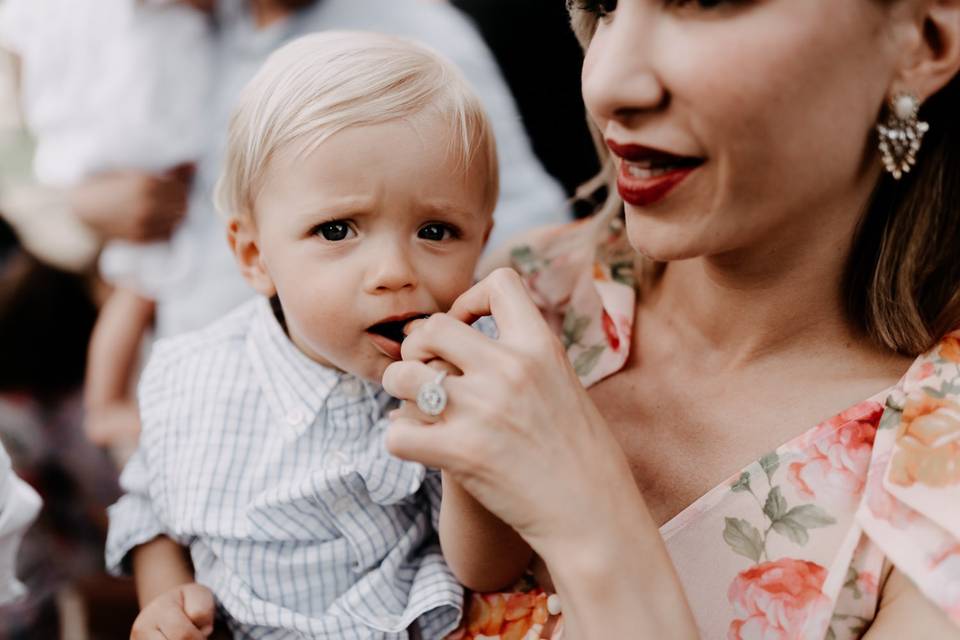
point(334, 230)
point(603, 8)
point(438, 232)
point(600, 8)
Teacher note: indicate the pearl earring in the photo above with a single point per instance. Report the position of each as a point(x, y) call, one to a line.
point(901, 135)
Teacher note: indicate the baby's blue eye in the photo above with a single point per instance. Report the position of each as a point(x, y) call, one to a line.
point(334, 231)
point(436, 232)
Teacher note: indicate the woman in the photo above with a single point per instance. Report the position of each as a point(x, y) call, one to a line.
point(787, 274)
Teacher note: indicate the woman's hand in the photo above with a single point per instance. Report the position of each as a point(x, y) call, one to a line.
point(133, 205)
point(519, 431)
point(521, 435)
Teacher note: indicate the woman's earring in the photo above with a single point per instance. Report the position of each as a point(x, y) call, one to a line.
point(901, 134)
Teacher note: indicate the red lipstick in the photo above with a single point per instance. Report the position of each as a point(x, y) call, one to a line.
point(648, 175)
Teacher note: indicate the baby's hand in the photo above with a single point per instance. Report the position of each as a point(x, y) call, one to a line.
point(185, 612)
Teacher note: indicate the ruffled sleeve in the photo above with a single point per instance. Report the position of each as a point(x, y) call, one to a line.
point(910, 507)
point(581, 278)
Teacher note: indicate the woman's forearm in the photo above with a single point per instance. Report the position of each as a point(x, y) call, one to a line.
point(620, 583)
point(484, 553)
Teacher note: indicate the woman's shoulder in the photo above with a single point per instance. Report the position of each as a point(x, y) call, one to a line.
point(913, 489)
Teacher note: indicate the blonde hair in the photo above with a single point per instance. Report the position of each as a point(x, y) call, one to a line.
point(901, 286)
point(320, 84)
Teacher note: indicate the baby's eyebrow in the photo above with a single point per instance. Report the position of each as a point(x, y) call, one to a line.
point(444, 207)
point(349, 205)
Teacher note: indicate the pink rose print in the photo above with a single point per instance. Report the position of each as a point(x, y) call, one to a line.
point(775, 600)
point(836, 459)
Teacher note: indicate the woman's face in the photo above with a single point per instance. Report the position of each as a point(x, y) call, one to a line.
point(738, 124)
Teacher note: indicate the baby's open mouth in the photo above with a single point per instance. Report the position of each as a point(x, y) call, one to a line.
point(393, 329)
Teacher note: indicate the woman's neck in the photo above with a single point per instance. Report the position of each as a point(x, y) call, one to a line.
point(743, 306)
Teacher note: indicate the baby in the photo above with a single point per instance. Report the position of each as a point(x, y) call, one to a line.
point(359, 187)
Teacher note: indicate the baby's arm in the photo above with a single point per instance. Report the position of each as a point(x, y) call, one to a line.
point(112, 419)
point(484, 553)
point(172, 604)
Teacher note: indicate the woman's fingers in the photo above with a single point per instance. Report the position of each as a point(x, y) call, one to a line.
point(403, 380)
point(441, 336)
point(412, 440)
point(503, 295)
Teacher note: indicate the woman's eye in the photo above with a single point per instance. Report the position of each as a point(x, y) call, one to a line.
point(702, 4)
point(437, 232)
point(334, 231)
point(599, 8)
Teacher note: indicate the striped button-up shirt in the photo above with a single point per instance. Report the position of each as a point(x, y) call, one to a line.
point(272, 469)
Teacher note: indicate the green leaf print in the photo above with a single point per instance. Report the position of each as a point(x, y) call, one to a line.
point(622, 272)
point(743, 538)
point(794, 524)
point(810, 516)
point(573, 328)
point(742, 483)
point(792, 530)
point(587, 360)
point(775, 506)
point(523, 258)
point(891, 418)
point(939, 394)
point(770, 463)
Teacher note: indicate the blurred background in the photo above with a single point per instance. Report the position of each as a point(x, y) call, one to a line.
point(108, 153)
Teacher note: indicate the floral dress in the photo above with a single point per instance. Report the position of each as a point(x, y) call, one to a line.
point(794, 545)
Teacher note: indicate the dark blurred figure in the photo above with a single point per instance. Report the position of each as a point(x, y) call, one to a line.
point(46, 317)
point(540, 60)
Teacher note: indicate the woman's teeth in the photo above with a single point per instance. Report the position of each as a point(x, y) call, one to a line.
point(647, 171)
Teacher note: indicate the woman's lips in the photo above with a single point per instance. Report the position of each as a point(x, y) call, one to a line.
point(647, 175)
point(647, 191)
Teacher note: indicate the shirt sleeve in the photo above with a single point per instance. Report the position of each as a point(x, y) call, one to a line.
point(136, 517)
point(133, 518)
point(19, 505)
point(910, 504)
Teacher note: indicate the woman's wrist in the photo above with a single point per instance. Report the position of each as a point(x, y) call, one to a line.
point(619, 581)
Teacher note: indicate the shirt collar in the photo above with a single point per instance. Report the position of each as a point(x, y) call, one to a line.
point(297, 387)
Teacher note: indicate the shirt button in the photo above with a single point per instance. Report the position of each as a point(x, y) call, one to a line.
point(294, 417)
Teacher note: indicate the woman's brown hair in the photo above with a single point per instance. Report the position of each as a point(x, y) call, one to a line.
point(901, 286)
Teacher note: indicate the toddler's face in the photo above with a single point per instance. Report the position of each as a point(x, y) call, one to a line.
point(376, 226)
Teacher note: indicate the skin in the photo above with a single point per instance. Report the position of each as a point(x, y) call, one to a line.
point(779, 98)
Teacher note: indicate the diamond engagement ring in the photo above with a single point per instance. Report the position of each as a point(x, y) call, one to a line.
point(432, 397)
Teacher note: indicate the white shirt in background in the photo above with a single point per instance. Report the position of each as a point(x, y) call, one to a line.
point(19, 505)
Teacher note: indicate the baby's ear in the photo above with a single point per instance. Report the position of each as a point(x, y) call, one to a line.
point(245, 243)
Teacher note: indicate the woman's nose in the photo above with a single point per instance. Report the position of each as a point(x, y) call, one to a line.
point(620, 79)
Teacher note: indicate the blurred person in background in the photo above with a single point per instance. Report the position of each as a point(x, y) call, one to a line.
point(46, 316)
point(117, 86)
point(529, 65)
